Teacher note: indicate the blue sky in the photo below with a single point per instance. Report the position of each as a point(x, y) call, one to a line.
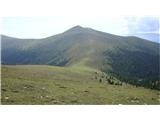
point(40, 27)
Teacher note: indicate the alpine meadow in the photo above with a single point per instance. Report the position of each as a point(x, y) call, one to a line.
point(80, 66)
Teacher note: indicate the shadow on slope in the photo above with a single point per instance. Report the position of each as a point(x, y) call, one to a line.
point(135, 67)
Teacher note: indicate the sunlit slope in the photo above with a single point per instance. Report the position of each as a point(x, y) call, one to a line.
point(41, 84)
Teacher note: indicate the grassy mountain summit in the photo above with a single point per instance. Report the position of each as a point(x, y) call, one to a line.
point(130, 59)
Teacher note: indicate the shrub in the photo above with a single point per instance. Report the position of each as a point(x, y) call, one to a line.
point(110, 81)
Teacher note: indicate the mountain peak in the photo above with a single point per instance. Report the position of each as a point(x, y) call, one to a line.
point(76, 28)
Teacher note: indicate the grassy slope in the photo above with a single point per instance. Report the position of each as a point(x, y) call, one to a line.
point(35, 84)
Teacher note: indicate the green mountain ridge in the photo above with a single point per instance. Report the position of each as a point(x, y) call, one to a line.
point(131, 59)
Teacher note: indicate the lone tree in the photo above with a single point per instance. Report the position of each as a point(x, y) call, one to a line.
point(100, 80)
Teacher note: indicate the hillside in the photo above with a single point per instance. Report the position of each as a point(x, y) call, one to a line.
point(129, 59)
point(42, 84)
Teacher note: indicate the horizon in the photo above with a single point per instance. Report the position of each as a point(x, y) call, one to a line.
point(81, 27)
point(145, 27)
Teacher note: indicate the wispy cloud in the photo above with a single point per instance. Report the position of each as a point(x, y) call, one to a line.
point(146, 27)
point(137, 25)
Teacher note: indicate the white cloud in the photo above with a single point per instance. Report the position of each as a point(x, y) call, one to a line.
point(147, 24)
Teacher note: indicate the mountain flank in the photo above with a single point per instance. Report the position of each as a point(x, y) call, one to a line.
point(130, 59)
